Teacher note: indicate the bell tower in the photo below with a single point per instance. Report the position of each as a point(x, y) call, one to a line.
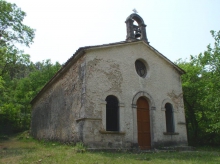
point(136, 32)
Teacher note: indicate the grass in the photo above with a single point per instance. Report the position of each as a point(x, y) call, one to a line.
point(24, 149)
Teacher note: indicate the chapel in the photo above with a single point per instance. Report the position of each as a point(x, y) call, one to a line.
point(123, 95)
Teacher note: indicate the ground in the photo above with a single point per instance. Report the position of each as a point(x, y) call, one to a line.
point(24, 149)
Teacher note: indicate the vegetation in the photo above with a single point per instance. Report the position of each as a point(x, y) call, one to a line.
point(201, 89)
point(23, 149)
point(20, 79)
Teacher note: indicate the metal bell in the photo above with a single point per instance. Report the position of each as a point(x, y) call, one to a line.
point(137, 31)
point(137, 34)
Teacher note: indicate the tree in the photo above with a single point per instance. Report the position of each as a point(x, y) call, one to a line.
point(29, 86)
point(201, 89)
point(12, 30)
point(20, 79)
point(210, 60)
point(14, 65)
point(193, 91)
point(15, 109)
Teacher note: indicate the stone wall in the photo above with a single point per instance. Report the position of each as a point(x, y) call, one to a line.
point(55, 112)
point(73, 108)
point(111, 71)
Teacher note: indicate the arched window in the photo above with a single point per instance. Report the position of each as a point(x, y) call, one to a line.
point(169, 118)
point(112, 114)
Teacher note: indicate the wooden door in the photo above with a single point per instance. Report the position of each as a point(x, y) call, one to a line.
point(143, 123)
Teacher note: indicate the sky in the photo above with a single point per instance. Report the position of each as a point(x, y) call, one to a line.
point(176, 28)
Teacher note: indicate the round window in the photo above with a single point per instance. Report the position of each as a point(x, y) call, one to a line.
point(140, 68)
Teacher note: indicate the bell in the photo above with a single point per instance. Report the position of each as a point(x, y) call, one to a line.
point(137, 34)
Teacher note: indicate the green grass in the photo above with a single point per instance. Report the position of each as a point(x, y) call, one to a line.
point(24, 149)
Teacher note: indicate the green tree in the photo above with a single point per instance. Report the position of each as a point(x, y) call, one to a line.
point(12, 30)
point(13, 64)
point(29, 86)
point(210, 60)
point(10, 109)
point(20, 79)
point(201, 89)
point(193, 91)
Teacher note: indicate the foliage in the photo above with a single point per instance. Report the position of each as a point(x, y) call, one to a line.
point(80, 147)
point(12, 30)
point(20, 79)
point(28, 150)
point(201, 89)
point(19, 91)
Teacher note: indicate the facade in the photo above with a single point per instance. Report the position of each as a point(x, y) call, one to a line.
point(120, 95)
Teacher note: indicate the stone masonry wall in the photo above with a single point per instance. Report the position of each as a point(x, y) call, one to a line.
point(55, 112)
point(74, 109)
point(111, 71)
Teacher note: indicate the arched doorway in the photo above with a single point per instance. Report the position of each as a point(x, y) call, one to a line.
point(143, 123)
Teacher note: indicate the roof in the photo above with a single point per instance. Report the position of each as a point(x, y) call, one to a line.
point(81, 51)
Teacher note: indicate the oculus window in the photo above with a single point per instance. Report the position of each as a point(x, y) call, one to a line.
point(112, 113)
point(141, 68)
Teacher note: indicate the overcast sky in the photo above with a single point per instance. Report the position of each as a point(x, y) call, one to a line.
point(176, 28)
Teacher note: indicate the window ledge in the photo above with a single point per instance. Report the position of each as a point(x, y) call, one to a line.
point(181, 123)
point(170, 133)
point(111, 132)
point(86, 118)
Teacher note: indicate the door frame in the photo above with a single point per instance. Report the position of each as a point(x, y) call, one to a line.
point(134, 112)
point(143, 121)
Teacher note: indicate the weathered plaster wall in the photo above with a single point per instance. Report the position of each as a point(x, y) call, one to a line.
point(54, 114)
point(111, 71)
point(73, 108)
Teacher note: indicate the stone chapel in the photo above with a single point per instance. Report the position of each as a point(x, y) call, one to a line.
point(124, 95)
